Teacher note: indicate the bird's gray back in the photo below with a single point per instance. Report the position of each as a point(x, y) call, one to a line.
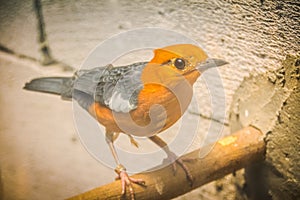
point(115, 87)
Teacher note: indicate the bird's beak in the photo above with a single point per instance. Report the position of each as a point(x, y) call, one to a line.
point(210, 63)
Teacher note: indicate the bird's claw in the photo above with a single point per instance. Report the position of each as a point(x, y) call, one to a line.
point(188, 174)
point(127, 181)
point(180, 161)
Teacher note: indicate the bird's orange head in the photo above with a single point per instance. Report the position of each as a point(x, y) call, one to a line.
point(181, 58)
point(173, 63)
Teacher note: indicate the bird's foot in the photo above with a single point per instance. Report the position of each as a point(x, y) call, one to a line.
point(127, 181)
point(181, 162)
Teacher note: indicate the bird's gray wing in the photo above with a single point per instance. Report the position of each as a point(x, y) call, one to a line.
point(115, 87)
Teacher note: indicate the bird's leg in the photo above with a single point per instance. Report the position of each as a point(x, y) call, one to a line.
point(172, 156)
point(120, 169)
point(133, 141)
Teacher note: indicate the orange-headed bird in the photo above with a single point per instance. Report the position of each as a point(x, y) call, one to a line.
point(122, 98)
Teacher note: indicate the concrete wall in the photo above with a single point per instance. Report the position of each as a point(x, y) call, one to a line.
point(253, 36)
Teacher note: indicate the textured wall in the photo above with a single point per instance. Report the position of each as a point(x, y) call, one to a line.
point(270, 102)
point(18, 27)
point(282, 156)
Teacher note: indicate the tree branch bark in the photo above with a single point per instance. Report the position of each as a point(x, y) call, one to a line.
point(229, 154)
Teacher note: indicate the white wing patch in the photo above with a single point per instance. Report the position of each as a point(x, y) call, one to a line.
point(119, 104)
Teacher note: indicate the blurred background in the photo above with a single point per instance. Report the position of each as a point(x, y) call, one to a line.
point(41, 156)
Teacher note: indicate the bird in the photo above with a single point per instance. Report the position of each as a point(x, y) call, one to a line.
point(139, 99)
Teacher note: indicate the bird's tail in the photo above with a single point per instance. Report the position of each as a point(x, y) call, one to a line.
point(54, 85)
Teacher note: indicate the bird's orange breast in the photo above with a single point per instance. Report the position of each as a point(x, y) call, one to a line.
point(173, 102)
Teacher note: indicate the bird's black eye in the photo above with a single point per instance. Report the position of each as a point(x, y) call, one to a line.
point(179, 63)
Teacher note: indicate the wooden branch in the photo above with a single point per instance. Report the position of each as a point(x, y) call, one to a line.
point(231, 153)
